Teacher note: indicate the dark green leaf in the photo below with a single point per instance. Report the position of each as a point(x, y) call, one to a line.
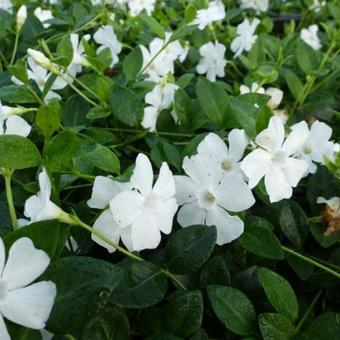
point(16, 95)
point(48, 118)
point(155, 26)
point(133, 63)
point(275, 327)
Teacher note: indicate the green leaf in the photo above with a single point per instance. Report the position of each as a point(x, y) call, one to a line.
point(75, 112)
point(213, 100)
point(275, 326)
point(306, 57)
point(189, 248)
point(215, 271)
point(154, 25)
point(182, 31)
point(107, 324)
point(14, 94)
point(22, 333)
point(126, 106)
point(19, 70)
point(279, 293)
point(133, 63)
point(48, 118)
point(183, 315)
point(301, 268)
point(261, 241)
point(49, 236)
point(294, 83)
point(18, 153)
point(78, 280)
point(64, 51)
point(143, 285)
point(233, 309)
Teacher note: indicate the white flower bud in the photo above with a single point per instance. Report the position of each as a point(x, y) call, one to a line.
point(21, 17)
point(42, 60)
point(276, 96)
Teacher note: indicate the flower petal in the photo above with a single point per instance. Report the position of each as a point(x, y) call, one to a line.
point(106, 225)
point(2, 256)
point(294, 170)
point(297, 138)
point(165, 184)
point(16, 125)
point(228, 227)
point(142, 177)
point(276, 185)
point(213, 144)
point(238, 142)
point(191, 214)
point(272, 138)
point(25, 263)
point(186, 189)
point(3, 330)
point(126, 206)
point(30, 306)
point(165, 214)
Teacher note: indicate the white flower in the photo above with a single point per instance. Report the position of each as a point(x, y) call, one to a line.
point(43, 15)
point(245, 36)
point(310, 37)
point(137, 6)
point(147, 210)
point(103, 191)
point(206, 16)
point(21, 301)
point(40, 59)
point(6, 5)
point(21, 17)
point(39, 207)
point(333, 203)
point(11, 124)
point(276, 96)
point(208, 194)
point(318, 146)
point(106, 37)
point(317, 5)
point(164, 62)
point(79, 57)
point(160, 98)
point(274, 159)
point(257, 5)
point(254, 88)
point(212, 62)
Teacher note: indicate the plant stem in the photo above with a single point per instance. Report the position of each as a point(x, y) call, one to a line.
point(309, 309)
point(175, 134)
point(173, 278)
point(9, 196)
point(311, 261)
point(15, 48)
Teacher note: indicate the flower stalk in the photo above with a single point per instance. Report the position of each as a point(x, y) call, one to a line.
point(9, 195)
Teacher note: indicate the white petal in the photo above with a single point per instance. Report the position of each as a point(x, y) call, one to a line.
point(296, 139)
point(165, 214)
point(25, 263)
point(294, 170)
point(165, 184)
point(238, 142)
point(126, 206)
point(15, 125)
point(144, 233)
point(213, 144)
point(228, 227)
point(30, 306)
point(45, 185)
point(255, 166)
point(186, 189)
point(33, 207)
point(276, 96)
point(142, 177)
point(320, 131)
point(3, 330)
point(2, 256)
point(271, 138)
point(276, 185)
point(233, 194)
point(191, 214)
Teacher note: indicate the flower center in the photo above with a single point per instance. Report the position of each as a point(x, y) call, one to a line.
point(226, 165)
point(206, 199)
point(307, 150)
point(3, 290)
point(151, 201)
point(279, 157)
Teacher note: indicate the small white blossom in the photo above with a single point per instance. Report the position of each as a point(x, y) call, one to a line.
point(254, 88)
point(43, 15)
point(257, 5)
point(6, 5)
point(276, 96)
point(318, 146)
point(158, 99)
point(79, 57)
point(245, 36)
point(137, 6)
point(39, 207)
point(207, 194)
point(206, 16)
point(148, 209)
point(21, 17)
point(21, 301)
point(212, 62)
point(317, 5)
point(106, 37)
point(274, 159)
point(310, 37)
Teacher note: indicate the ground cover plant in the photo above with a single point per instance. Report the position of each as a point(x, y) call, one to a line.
point(169, 169)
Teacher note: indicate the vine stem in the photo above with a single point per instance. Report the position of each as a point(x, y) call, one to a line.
point(101, 236)
point(311, 261)
point(9, 195)
point(15, 48)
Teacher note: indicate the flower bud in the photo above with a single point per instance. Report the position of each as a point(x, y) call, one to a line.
point(42, 60)
point(276, 96)
point(21, 17)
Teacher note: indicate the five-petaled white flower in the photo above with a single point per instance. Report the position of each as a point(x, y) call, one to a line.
point(208, 194)
point(44, 15)
point(21, 301)
point(158, 99)
point(39, 207)
point(253, 88)
point(79, 57)
point(245, 37)
point(146, 210)
point(12, 124)
point(274, 159)
point(206, 16)
point(106, 37)
point(137, 6)
point(310, 36)
point(257, 5)
point(318, 146)
point(212, 62)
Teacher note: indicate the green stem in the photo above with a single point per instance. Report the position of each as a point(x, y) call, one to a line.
point(309, 309)
point(311, 261)
point(173, 278)
point(15, 48)
point(175, 134)
point(9, 196)
point(29, 88)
